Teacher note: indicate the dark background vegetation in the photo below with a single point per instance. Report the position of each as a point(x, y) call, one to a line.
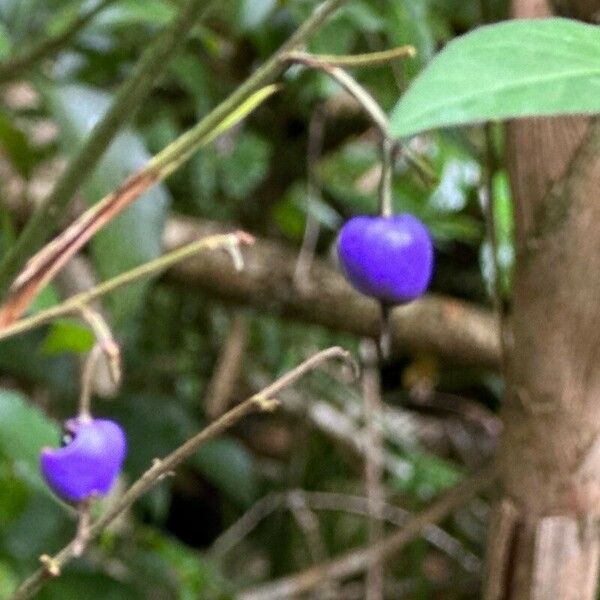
point(441, 415)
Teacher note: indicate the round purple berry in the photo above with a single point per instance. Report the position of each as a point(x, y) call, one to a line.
point(389, 258)
point(89, 461)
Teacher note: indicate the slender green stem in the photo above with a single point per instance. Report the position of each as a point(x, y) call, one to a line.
point(170, 158)
point(106, 346)
point(87, 382)
point(379, 118)
point(386, 208)
point(364, 99)
point(105, 339)
point(75, 303)
point(131, 94)
point(261, 402)
point(370, 59)
point(14, 66)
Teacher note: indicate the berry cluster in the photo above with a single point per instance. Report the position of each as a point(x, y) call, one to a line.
point(388, 258)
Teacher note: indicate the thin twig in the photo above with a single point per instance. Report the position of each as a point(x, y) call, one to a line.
point(228, 367)
point(241, 528)
point(316, 130)
point(371, 392)
point(309, 524)
point(388, 153)
point(82, 537)
point(357, 561)
point(346, 503)
point(129, 97)
point(78, 276)
point(386, 210)
point(347, 82)
point(369, 105)
point(106, 341)
point(342, 428)
point(260, 402)
point(75, 303)
point(13, 66)
point(87, 382)
point(370, 59)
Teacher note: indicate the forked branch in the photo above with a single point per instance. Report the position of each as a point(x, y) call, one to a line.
point(263, 401)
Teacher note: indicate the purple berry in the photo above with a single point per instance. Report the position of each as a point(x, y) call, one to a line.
point(389, 258)
point(90, 461)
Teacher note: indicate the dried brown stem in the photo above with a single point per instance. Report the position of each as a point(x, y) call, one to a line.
point(76, 303)
point(228, 367)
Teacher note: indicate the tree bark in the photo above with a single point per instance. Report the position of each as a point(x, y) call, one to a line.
point(543, 542)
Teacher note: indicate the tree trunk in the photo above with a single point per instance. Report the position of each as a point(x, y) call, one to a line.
point(544, 542)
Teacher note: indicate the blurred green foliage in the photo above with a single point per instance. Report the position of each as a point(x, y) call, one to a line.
point(255, 176)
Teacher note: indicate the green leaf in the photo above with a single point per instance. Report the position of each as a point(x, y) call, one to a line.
point(24, 430)
point(193, 76)
point(129, 13)
point(16, 145)
point(87, 585)
point(134, 237)
point(5, 41)
point(228, 465)
point(363, 17)
point(196, 576)
point(13, 495)
point(410, 20)
point(67, 336)
point(348, 172)
point(247, 165)
point(430, 475)
point(513, 69)
point(253, 13)
point(450, 227)
point(47, 298)
point(8, 581)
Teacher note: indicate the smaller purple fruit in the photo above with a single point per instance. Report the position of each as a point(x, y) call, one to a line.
point(89, 462)
point(389, 258)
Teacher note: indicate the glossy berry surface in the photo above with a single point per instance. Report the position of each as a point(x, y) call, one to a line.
point(388, 258)
point(89, 462)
